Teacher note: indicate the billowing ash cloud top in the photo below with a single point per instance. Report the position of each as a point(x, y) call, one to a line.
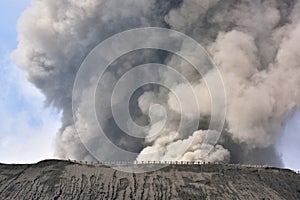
point(255, 44)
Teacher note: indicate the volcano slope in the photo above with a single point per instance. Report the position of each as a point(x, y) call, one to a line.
point(55, 179)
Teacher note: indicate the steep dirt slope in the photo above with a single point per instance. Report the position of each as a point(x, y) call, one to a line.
point(53, 179)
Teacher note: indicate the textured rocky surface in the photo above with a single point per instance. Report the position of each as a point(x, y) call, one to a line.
point(54, 179)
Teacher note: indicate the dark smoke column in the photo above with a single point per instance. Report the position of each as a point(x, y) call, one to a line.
point(254, 44)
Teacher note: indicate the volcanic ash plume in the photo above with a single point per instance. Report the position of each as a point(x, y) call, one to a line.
point(255, 45)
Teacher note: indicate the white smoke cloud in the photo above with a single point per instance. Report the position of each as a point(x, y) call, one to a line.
point(167, 148)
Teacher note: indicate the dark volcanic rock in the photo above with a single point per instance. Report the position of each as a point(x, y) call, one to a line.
point(53, 179)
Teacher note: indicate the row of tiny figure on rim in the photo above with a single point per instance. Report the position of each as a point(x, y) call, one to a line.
point(165, 163)
point(161, 163)
point(144, 162)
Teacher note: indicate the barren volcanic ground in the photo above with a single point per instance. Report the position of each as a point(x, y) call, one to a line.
point(54, 179)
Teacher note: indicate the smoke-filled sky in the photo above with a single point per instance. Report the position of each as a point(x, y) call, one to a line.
point(27, 128)
point(255, 45)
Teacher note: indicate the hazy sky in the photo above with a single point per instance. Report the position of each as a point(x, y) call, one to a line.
point(27, 129)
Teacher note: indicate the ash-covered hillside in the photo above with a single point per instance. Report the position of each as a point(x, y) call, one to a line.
point(54, 179)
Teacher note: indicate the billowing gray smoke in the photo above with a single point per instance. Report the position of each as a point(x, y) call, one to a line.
point(255, 44)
